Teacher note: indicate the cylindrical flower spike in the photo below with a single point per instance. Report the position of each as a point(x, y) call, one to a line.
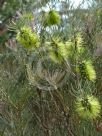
point(27, 38)
point(79, 40)
point(57, 51)
point(52, 18)
point(88, 107)
point(87, 70)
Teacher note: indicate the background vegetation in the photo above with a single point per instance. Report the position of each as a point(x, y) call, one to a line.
point(38, 89)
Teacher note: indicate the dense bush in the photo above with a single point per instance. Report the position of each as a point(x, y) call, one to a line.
point(50, 69)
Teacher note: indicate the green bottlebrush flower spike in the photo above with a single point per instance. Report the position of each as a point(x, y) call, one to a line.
point(27, 38)
point(79, 40)
point(52, 18)
point(57, 51)
point(69, 48)
point(87, 71)
point(75, 50)
point(88, 107)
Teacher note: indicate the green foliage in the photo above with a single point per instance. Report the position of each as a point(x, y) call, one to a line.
point(47, 88)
